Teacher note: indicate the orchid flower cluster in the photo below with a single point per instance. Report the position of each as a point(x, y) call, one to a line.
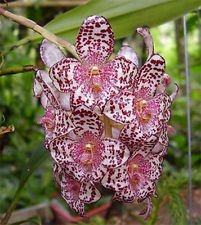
point(105, 120)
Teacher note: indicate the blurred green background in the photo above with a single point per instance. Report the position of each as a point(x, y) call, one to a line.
point(20, 108)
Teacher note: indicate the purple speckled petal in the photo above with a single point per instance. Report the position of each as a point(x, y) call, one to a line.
point(115, 154)
point(50, 96)
point(50, 53)
point(95, 39)
point(126, 195)
point(60, 149)
point(150, 75)
point(148, 189)
point(116, 179)
point(48, 89)
point(156, 161)
point(89, 193)
point(81, 97)
point(132, 136)
point(63, 72)
point(85, 120)
point(70, 190)
point(99, 173)
point(63, 123)
point(123, 72)
point(120, 108)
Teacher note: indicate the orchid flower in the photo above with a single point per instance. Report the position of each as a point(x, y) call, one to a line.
point(144, 109)
point(48, 94)
point(106, 121)
point(138, 176)
point(94, 80)
point(84, 152)
point(56, 120)
point(75, 193)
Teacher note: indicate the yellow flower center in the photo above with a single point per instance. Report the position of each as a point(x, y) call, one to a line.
point(87, 156)
point(96, 88)
point(135, 181)
point(141, 110)
point(95, 71)
point(133, 168)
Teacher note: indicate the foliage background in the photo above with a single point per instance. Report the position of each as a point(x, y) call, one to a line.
point(19, 107)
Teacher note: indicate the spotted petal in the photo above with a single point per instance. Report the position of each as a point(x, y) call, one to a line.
point(94, 101)
point(136, 140)
point(156, 166)
point(116, 179)
point(126, 195)
point(85, 120)
point(63, 123)
point(70, 190)
point(63, 72)
point(50, 96)
point(147, 190)
point(123, 72)
point(120, 108)
point(89, 193)
point(43, 79)
point(115, 154)
point(150, 75)
point(50, 53)
point(95, 40)
point(60, 149)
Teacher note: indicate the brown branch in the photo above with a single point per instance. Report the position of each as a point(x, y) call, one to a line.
point(19, 69)
point(45, 3)
point(42, 31)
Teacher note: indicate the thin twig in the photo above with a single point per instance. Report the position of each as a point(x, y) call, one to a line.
point(19, 69)
point(45, 33)
point(44, 3)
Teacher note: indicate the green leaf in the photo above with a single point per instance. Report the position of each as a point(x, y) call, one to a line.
point(38, 157)
point(124, 16)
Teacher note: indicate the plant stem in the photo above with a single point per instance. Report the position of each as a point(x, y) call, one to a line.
point(108, 127)
point(45, 33)
point(44, 3)
point(19, 69)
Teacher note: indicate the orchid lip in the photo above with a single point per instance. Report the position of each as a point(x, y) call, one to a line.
point(95, 71)
point(141, 107)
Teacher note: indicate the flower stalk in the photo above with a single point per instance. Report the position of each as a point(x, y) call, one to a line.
point(108, 127)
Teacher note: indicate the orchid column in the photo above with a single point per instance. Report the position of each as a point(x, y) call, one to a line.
point(105, 121)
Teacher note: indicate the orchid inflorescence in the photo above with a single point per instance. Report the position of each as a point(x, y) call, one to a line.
point(105, 120)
